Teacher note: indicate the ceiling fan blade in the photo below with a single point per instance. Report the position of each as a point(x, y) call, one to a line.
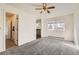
point(38, 8)
point(51, 7)
point(48, 11)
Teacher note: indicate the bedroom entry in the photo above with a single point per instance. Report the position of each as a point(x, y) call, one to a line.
point(38, 28)
point(11, 36)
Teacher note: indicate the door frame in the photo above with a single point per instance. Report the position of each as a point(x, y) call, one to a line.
point(41, 27)
point(17, 19)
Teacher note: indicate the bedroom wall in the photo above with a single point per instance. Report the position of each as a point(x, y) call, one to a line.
point(53, 15)
point(76, 28)
point(27, 26)
point(67, 34)
point(1, 30)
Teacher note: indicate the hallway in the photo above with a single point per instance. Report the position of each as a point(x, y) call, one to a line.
point(9, 43)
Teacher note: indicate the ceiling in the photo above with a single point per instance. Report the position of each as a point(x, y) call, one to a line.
point(58, 6)
point(35, 5)
point(60, 9)
point(39, 4)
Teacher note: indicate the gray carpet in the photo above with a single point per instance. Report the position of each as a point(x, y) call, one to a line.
point(44, 46)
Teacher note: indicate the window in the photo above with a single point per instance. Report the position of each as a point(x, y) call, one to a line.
point(56, 26)
point(51, 26)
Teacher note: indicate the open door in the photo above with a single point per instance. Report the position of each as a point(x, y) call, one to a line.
point(38, 28)
point(11, 30)
point(15, 30)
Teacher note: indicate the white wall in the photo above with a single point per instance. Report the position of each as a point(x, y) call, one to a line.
point(68, 33)
point(2, 48)
point(27, 29)
point(69, 28)
point(76, 28)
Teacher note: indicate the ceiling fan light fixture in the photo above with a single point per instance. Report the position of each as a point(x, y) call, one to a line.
point(40, 12)
point(45, 8)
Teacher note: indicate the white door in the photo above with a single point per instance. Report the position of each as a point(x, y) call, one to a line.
point(15, 30)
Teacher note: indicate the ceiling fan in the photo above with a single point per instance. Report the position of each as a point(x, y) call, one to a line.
point(45, 8)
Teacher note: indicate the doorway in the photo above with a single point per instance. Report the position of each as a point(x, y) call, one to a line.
point(11, 36)
point(38, 28)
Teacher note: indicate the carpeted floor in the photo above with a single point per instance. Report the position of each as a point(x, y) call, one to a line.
point(44, 46)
